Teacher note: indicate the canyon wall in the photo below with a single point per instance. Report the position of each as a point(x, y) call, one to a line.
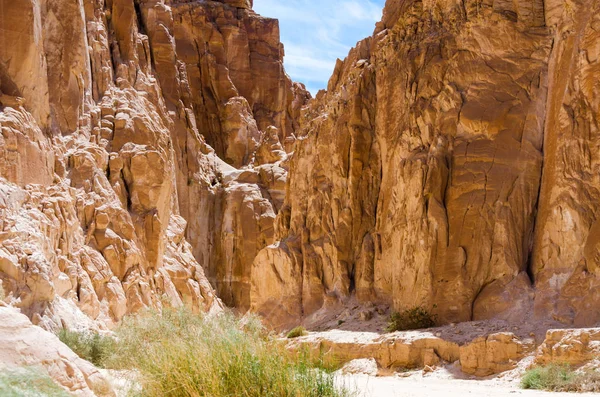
point(449, 164)
point(139, 158)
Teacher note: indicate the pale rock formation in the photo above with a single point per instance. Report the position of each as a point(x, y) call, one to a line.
point(25, 345)
point(26, 154)
point(482, 356)
point(405, 350)
point(360, 366)
point(112, 199)
point(492, 354)
point(220, 70)
point(570, 346)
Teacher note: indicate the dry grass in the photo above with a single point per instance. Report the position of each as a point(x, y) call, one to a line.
point(297, 332)
point(177, 353)
point(561, 378)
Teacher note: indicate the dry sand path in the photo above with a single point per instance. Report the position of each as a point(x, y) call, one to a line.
point(369, 386)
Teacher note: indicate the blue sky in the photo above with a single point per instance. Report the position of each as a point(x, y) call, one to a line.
point(317, 32)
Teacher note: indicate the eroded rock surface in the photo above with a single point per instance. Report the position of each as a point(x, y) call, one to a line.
point(565, 252)
point(450, 164)
point(143, 153)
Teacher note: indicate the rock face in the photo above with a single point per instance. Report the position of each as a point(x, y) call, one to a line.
point(565, 257)
point(571, 346)
point(491, 354)
point(450, 164)
point(220, 67)
point(142, 154)
point(389, 351)
point(483, 356)
point(25, 345)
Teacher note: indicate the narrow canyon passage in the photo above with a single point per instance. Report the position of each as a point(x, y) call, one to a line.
point(155, 154)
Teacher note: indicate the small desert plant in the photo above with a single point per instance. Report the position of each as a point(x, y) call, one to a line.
point(561, 377)
point(88, 345)
point(297, 332)
point(28, 382)
point(178, 353)
point(551, 377)
point(415, 318)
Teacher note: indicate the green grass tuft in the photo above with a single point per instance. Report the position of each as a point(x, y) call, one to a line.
point(415, 318)
point(28, 382)
point(88, 345)
point(297, 332)
point(551, 377)
point(561, 378)
point(177, 353)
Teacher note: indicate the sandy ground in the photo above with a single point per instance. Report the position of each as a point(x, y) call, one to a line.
point(445, 381)
point(369, 386)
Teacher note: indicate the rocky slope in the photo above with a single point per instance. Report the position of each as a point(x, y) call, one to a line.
point(450, 164)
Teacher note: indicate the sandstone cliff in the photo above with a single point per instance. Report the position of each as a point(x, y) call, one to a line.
point(145, 147)
point(450, 164)
point(139, 157)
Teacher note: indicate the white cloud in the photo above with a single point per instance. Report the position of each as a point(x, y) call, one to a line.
point(317, 32)
point(364, 11)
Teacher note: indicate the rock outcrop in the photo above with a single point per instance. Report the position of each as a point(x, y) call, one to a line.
point(481, 353)
point(449, 164)
point(220, 68)
point(482, 356)
point(570, 346)
point(491, 354)
point(25, 345)
point(143, 153)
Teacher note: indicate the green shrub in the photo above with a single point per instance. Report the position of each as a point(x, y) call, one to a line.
point(90, 346)
point(177, 353)
point(415, 318)
point(28, 382)
point(297, 332)
point(552, 377)
point(561, 377)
